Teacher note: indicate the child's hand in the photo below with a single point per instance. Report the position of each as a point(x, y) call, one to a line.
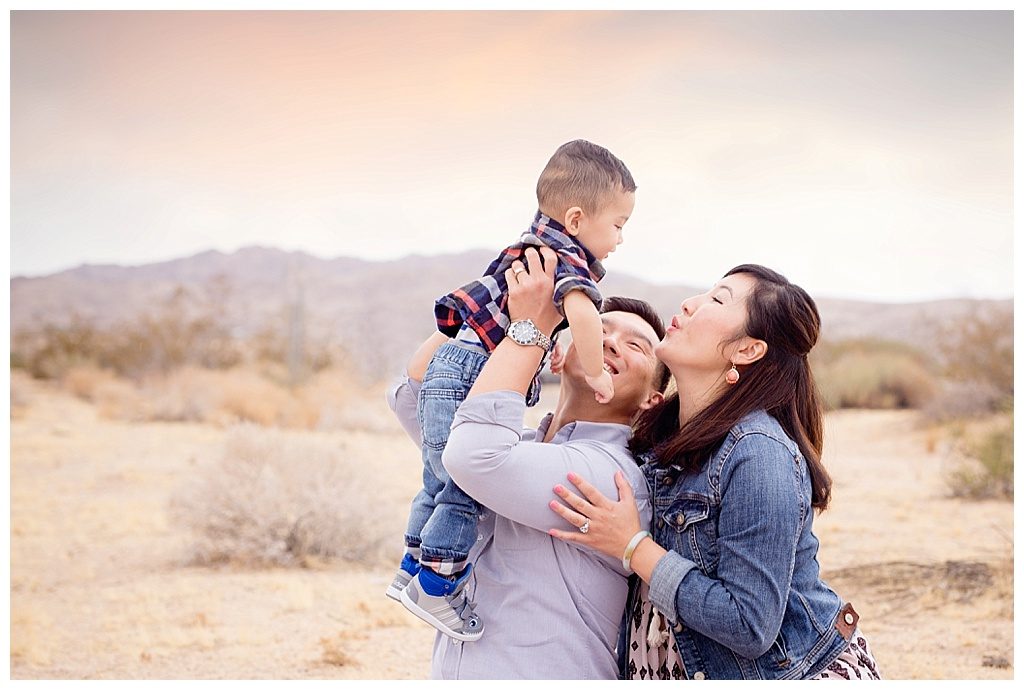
point(557, 360)
point(604, 391)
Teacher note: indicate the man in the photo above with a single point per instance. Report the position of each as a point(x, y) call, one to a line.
point(553, 609)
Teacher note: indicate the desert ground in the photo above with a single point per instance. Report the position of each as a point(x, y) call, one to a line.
point(101, 586)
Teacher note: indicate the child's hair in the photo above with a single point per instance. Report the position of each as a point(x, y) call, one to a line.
point(581, 174)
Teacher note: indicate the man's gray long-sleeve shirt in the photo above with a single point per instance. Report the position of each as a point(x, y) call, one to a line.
point(551, 609)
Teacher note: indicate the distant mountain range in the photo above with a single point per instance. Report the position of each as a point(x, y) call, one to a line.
point(378, 310)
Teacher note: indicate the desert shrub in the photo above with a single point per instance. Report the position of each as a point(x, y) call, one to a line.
point(53, 350)
point(340, 400)
point(275, 345)
point(114, 397)
point(274, 498)
point(985, 469)
point(977, 358)
point(131, 350)
point(872, 374)
point(980, 348)
point(962, 400)
point(173, 334)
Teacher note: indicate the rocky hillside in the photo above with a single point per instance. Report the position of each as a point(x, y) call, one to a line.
point(377, 310)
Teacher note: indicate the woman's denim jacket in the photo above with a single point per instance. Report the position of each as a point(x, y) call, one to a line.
point(739, 585)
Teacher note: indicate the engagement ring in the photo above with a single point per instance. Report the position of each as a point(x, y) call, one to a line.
point(585, 527)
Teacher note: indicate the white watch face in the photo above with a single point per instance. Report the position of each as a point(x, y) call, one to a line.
point(523, 332)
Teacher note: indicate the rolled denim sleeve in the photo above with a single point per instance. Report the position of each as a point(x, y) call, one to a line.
point(762, 513)
point(402, 399)
point(665, 579)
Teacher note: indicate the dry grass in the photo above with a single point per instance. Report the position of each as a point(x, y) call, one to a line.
point(335, 650)
point(192, 394)
point(274, 498)
point(21, 395)
point(99, 588)
point(329, 400)
point(82, 381)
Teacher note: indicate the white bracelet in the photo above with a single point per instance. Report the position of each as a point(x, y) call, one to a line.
point(631, 547)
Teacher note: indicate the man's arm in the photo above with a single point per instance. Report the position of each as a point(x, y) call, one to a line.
point(511, 366)
point(420, 360)
point(487, 458)
point(485, 455)
point(402, 396)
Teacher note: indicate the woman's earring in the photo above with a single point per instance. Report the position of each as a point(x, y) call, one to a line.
point(732, 376)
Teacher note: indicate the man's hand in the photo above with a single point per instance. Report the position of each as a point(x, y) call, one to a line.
point(531, 290)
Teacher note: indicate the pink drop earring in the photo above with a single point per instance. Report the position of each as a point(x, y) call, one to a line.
point(732, 376)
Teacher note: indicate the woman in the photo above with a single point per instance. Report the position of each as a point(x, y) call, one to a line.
point(728, 584)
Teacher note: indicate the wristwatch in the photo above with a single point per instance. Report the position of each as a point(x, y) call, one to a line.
point(524, 332)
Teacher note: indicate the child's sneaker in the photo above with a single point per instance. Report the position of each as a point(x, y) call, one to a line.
point(406, 572)
point(443, 604)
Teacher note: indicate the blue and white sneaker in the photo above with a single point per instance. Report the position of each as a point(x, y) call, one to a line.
point(406, 572)
point(443, 604)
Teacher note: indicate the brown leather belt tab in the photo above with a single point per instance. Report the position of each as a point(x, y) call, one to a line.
point(846, 621)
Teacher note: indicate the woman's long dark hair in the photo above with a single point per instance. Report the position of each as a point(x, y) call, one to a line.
point(786, 318)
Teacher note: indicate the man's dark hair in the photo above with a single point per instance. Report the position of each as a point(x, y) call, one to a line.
point(646, 312)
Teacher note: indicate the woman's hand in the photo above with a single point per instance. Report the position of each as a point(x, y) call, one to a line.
point(611, 524)
point(531, 291)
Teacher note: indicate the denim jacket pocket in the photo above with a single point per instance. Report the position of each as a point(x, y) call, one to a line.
point(778, 655)
point(689, 519)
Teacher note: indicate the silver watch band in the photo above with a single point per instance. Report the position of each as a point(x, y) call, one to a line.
point(543, 341)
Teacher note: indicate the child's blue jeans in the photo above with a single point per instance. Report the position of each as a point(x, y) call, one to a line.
point(443, 519)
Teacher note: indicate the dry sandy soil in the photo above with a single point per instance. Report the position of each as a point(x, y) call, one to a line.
point(100, 587)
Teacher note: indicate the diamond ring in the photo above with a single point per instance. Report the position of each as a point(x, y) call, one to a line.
point(585, 527)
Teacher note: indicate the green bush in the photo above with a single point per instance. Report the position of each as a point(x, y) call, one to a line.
point(874, 374)
point(987, 470)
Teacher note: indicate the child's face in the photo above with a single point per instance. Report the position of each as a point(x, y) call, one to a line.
point(601, 233)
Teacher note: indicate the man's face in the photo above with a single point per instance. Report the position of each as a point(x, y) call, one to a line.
point(629, 343)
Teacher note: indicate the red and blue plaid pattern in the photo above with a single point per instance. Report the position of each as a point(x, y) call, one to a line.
point(482, 303)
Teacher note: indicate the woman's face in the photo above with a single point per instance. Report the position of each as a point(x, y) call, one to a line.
point(695, 339)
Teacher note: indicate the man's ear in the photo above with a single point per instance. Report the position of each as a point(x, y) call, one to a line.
point(653, 399)
point(572, 220)
point(751, 351)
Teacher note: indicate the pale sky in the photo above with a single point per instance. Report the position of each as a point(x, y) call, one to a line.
point(865, 155)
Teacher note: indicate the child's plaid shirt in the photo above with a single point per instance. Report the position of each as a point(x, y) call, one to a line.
point(482, 304)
